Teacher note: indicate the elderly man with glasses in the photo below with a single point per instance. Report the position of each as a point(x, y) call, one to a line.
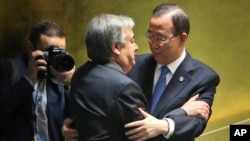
point(186, 80)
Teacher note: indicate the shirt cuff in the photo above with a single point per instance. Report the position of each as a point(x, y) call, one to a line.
point(171, 127)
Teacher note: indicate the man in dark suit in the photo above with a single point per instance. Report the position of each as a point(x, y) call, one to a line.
point(103, 98)
point(32, 107)
point(184, 114)
point(167, 34)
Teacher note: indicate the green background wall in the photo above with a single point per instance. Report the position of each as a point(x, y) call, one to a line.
point(219, 37)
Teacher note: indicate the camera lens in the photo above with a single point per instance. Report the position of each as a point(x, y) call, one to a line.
point(63, 62)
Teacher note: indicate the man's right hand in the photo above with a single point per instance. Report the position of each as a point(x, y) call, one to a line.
point(69, 134)
point(35, 64)
point(196, 108)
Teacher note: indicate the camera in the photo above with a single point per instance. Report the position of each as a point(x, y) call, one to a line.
point(58, 58)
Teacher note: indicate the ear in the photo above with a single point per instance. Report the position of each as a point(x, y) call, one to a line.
point(184, 36)
point(116, 49)
point(30, 47)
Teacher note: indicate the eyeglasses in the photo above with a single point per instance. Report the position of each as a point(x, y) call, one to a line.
point(159, 39)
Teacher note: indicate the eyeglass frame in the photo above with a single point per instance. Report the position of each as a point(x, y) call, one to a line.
point(159, 39)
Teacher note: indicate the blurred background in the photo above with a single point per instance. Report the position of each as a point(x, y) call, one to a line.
point(219, 37)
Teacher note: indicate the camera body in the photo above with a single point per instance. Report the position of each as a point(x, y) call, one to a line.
point(58, 58)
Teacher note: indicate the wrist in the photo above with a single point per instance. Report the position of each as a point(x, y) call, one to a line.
point(165, 126)
point(171, 128)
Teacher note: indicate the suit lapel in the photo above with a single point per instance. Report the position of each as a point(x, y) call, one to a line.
point(147, 77)
point(180, 79)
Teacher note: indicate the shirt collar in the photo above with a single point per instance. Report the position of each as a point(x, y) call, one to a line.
point(175, 64)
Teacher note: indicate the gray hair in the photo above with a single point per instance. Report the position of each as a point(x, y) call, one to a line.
point(103, 31)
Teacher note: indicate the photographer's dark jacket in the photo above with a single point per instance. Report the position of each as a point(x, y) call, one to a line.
point(16, 103)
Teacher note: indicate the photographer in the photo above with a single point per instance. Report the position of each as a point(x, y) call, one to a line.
point(34, 87)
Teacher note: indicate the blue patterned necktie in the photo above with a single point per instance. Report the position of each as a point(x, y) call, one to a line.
point(159, 88)
point(41, 123)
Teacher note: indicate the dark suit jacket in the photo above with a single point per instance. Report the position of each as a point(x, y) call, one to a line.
point(197, 78)
point(103, 99)
point(16, 104)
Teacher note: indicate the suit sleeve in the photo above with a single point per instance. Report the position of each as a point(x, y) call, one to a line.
point(187, 127)
point(13, 92)
point(129, 101)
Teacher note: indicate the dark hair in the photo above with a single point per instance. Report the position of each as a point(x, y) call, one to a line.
point(179, 17)
point(47, 28)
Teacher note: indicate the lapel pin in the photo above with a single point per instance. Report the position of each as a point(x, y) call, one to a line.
point(181, 78)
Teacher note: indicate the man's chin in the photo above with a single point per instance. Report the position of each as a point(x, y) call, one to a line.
point(158, 59)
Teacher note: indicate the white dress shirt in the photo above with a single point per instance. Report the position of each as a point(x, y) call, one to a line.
point(172, 68)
